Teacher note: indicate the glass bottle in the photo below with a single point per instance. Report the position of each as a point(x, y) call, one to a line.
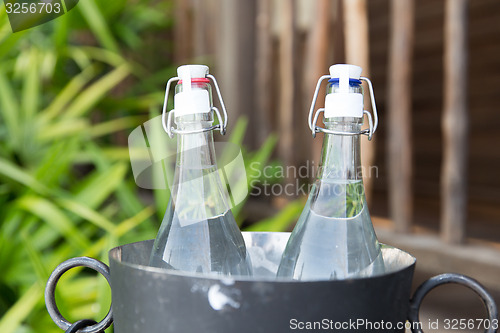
point(198, 232)
point(334, 236)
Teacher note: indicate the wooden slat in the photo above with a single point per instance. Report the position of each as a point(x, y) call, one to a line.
point(357, 44)
point(427, 103)
point(454, 169)
point(357, 53)
point(199, 39)
point(226, 56)
point(182, 31)
point(288, 82)
point(234, 60)
point(399, 101)
point(319, 40)
point(263, 69)
point(338, 35)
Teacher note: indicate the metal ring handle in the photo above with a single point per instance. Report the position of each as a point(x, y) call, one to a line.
point(78, 325)
point(424, 288)
point(50, 289)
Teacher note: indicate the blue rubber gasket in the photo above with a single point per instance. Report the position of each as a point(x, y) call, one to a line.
point(352, 82)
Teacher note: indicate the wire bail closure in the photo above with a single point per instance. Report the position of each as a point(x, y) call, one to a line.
point(372, 122)
point(167, 121)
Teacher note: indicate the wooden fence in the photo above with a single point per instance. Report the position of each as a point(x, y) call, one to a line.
point(435, 69)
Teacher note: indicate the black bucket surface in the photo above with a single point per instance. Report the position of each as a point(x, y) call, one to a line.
point(148, 299)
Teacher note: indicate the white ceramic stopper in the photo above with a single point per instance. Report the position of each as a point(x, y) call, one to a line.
point(189, 100)
point(344, 103)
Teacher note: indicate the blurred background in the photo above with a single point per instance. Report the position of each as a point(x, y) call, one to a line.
point(72, 90)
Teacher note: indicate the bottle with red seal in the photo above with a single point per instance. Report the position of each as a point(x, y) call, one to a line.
point(198, 233)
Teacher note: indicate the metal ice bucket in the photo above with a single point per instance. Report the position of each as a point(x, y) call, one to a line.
point(147, 299)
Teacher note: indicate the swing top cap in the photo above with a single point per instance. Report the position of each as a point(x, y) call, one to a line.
point(344, 101)
point(340, 70)
point(192, 71)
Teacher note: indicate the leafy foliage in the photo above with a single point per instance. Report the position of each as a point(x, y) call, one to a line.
point(65, 187)
point(69, 90)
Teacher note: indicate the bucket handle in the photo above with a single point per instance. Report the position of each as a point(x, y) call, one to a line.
point(424, 288)
point(83, 326)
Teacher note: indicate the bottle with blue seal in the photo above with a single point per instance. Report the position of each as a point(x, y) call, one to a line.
point(334, 237)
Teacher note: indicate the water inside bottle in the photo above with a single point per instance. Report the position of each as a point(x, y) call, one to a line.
point(208, 246)
point(338, 241)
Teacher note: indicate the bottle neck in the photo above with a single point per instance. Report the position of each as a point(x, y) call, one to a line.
point(198, 193)
point(340, 158)
point(339, 190)
point(195, 150)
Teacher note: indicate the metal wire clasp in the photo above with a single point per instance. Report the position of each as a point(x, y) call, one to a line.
point(167, 122)
point(373, 123)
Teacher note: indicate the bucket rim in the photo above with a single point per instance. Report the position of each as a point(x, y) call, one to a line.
point(115, 257)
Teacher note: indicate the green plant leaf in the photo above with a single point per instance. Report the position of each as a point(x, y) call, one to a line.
point(15, 173)
point(281, 221)
point(8, 40)
point(126, 196)
point(54, 217)
point(79, 57)
point(120, 230)
point(9, 107)
point(63, 129)
point(68, 93)
point(96, 53)
point(115, 125)
point(47, 65)
point(254, 165)
point(87, 214)
point(61, 32)
point(31, 86)
point(239, 130)
point(129, 224)
point(17, 313)
point(100, 184)
point(147, 101)
point(264, 153)
point(42, 236)
point(110, 57)
point(57, 161)
point(97, 24)
point(109, 153)
point(35, 259)
point(91, 95)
